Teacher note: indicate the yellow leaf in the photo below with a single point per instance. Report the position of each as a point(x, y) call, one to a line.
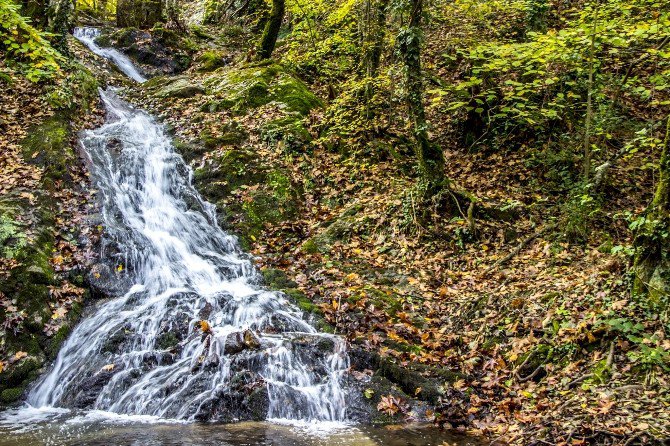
point(335, 304)
point(108, 368)
point(2, 366)
point(204, 326)
point(20, 355)
point(119, 268)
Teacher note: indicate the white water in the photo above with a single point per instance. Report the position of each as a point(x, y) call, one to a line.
point(181, 268)
point(88, 35)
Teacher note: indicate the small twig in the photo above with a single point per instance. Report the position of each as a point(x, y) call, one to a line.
point(520, 246)
point(580, 379)
point(532, 375)
point(629, 388)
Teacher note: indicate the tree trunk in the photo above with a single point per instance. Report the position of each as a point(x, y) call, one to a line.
point(271, 31)
point(651, 267)
point(60, 20)
point(430, 158)
point(377, 32)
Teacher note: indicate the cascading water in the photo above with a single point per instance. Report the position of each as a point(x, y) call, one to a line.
point(88, 35)
point(147, 352)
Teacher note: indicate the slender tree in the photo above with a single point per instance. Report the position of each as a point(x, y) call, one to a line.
point(651, 267)
point(430, 158)
point(60, 21)
point(271, 31)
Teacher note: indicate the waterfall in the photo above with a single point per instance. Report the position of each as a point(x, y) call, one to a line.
point(87, 36)
point(195, 336)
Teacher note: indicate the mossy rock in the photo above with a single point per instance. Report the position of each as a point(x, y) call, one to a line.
point(200, 32)
point(13, 237)
point(211, 60)
point(47, 145)
point(231, 133)
point(288, 130)
point(167, 340)
point(277, 279)
point(234, 168)
point(11, 395)
point(251, 86)
point(302, 301)
point(21, 371)
point(180, 87)
point(339, 229)
point(121, 37)
point(165, 36)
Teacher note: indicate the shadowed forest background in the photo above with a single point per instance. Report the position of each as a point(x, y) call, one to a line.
point(477, 190)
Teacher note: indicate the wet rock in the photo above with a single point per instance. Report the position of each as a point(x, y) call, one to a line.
point(246, 398)
point(90, 387)
point(240, 341)
point(159, 50)
point(205, 311)
point(105, 281)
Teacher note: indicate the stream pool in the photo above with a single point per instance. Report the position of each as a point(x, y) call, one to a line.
point(59, 427)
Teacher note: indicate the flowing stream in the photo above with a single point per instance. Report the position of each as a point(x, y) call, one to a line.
point(193, 336)
point(146, 352)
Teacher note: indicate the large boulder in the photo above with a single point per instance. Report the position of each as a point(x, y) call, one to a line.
point(254, 85)
point(180, 87)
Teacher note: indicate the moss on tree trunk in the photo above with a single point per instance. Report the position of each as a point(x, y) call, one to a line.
point(651, 267)
point(271, 31)
point(430, 158)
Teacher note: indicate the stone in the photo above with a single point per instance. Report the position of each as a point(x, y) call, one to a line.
point(180, 88)
point(239, 341)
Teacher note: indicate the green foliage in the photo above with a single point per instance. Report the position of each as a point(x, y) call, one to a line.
point(537, 82)
point(25, 46)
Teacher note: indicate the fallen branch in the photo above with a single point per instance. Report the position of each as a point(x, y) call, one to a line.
point(520, 246)
point(532, 375)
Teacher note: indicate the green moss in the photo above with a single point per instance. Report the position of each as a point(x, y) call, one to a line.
point(47, 145)
point(179, 87)
point(18, 373)
point(277, 279)
point(200, 32)
point(119, 38)
point(57, 340)
point(167, 340)
point(289, 130)
point(165, 36)
point(211, 60)
point(12, 395)
point(302, 301)
point(12, 236)
point(310, 247)
point(251, 86)
point(75, 92)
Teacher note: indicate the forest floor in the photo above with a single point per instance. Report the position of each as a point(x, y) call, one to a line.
point(540, 327)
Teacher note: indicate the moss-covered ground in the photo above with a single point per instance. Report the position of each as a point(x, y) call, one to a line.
point(44, 236)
